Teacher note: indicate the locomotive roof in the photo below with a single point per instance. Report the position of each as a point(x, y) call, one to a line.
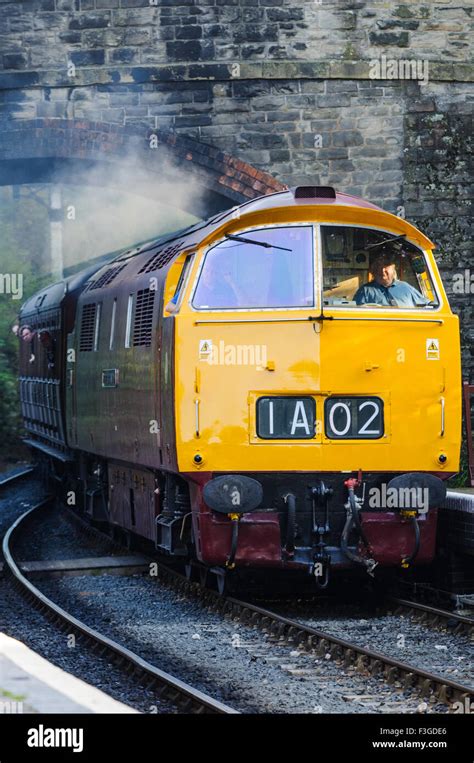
point(286, 198)
point(291, 198)
point(44, 299)
point(301, 196)
point(281, 199)
point(52, 296)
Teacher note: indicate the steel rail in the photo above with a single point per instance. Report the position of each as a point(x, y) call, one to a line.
point(4, 481)
point(170, 688)
point(433, 615)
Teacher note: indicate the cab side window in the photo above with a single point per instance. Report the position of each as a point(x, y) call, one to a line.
point(175, 301)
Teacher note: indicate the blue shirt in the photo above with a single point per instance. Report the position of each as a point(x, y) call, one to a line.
point(398, 294)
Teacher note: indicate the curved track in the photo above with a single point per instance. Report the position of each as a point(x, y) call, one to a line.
point(169, 688)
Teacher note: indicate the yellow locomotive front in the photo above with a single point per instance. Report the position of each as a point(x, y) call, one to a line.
point(317, 386)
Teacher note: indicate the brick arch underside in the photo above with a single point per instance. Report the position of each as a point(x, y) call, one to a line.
point(48, 150)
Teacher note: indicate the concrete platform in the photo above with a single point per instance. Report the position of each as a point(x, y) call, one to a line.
point(31, 684)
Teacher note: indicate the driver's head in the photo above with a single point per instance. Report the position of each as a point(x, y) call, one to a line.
point(384, 270)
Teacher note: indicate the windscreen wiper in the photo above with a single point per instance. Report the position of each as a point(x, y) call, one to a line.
point(257, 243)
point(386, 241)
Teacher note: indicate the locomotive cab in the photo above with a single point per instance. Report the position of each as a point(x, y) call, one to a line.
point(315, 353)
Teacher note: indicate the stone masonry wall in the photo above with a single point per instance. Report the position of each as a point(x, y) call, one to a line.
point(42, 34)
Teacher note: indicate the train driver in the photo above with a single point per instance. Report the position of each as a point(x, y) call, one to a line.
point(385, 289)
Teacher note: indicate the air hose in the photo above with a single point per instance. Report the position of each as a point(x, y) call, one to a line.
point(235, 518)
point(355, 517)
point(353, 522)
point(406, 561)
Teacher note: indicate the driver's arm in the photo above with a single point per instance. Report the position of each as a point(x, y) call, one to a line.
point(419, 300)
point(364, 295)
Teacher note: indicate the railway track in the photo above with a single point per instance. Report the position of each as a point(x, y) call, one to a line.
point(320, 642)
point(433, 616)
point(310, 639)
point(10, 479)
point(290, 631)
point(167, 687)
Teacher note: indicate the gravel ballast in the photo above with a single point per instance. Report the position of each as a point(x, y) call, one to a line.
point(239, 665)
point(399, 636)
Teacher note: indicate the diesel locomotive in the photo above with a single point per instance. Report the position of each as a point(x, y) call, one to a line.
point(276, 388)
